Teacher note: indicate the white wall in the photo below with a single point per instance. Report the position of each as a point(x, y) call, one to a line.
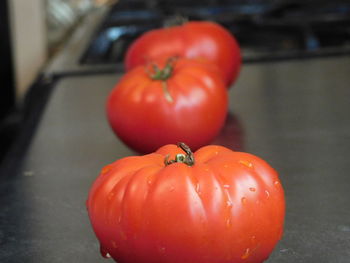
point(28, 41)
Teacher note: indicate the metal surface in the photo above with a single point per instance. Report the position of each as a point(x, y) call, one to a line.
point(295, 115)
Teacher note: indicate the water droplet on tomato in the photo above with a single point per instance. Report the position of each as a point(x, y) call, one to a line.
point(197, 188)
point(252, 189)
point(228, 222)
point(276, 183)
point(104, 252)
point(106, 169)
point(267, 194)
point(246, 163)
point(226, 186)
point(243, 200)
point(246, 254)
point(119, 219)
point(229, 204)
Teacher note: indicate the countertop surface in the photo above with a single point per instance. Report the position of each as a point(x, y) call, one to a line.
point(293, 114)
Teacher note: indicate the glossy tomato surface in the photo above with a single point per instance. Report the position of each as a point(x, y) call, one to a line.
point(226, 207)
point(192, 39)
point(190, 105)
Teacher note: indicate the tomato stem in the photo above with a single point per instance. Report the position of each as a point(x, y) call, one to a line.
point(165, 72)
point(187, 158)
point(176, 20)
point(163, 75)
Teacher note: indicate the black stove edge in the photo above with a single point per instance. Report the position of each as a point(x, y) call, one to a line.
point(30, 113)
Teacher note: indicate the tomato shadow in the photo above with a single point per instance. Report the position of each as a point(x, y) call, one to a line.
point(231, 135)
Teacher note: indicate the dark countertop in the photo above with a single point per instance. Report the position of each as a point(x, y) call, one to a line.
point(293, 114)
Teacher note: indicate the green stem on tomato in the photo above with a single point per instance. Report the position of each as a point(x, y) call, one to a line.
point(187, 158)
point(163, 75)
point(177, 20)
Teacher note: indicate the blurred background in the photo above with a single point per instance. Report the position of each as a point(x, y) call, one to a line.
point(43, 39)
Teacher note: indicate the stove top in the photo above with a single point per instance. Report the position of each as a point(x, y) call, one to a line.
point(266, 30)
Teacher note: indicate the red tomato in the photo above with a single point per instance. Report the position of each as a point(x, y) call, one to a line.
point(186, 101)
point(172, 206)
point(193, 39)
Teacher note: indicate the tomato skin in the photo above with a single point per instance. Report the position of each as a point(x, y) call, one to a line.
point(192, 39)
point(144, 118)
point(227, 208)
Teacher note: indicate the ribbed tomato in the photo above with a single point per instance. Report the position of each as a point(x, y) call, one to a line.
point(172, 206)
point(192, 39)
point(177, 100)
